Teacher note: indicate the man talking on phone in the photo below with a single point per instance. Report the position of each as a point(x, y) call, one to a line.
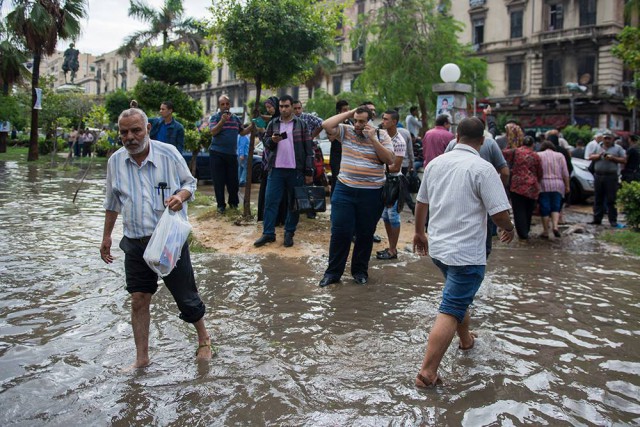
point(225, 128)
point(291, 165)
point(356, 202)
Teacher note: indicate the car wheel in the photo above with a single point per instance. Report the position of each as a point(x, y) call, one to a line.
point(256, 173)
point(577, 195)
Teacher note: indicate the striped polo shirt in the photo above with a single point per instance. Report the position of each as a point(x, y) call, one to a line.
point(133, 191)
point(360, 166)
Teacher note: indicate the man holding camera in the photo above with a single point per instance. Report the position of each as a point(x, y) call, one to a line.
point(225, 128)
point(290, 165)
point(607, 157)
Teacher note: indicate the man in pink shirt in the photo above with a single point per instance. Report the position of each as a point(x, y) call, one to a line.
point(435, 141)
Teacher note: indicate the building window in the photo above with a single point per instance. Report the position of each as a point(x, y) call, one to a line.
point(337, 84)
point(219, 74)
point(338, 54)
point(358, 53)
point(478, 31)
point(514, 77)
point(123, 85)
point(587, 12)
point(516, 24)
point(586, 67)
point(232, 74)
point(556, 17)
point(360, 7)
point(208, 103)
point(553, 72)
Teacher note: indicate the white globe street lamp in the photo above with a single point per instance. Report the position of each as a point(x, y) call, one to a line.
point(450, 73)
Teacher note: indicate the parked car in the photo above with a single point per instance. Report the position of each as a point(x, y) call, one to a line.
point(203, 168)
point(581, 181)
point(325, 146)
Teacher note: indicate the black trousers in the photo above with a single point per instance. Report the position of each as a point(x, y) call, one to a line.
point(224, 170)
point(606, 189)
point(180, 282)
point(522, 212)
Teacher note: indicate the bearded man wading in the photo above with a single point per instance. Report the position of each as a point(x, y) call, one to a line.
point(135, 174)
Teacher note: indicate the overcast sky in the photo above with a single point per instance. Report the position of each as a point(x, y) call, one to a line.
point(108, 24)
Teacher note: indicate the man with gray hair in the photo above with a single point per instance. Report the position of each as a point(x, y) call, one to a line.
point(138, 174)
point(458, 190)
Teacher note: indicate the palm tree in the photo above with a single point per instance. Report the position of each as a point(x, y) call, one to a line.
point(321, 70)
point(165, 22)
point(40, 23)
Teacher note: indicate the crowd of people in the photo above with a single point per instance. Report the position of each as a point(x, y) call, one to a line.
point(472, 181)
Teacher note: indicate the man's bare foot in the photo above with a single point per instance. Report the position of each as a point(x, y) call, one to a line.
point(204, 353)
point(143, 363)
point(468, 342)
point(424, 381)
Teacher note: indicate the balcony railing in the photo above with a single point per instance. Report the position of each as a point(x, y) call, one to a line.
point(562, 90)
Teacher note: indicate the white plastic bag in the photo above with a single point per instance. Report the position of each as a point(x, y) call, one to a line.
point(164, 248)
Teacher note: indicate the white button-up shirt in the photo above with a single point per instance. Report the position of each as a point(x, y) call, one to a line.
point(134, 191)
point(461, 188)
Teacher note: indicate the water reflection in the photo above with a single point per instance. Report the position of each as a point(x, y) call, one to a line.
point(557, 333)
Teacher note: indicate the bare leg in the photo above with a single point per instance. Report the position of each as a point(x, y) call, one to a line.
point(394, 235)
point(466, 338)
point(140, 319)
point(440, 338)
point(204, 342)
point(545, 225)
point(555, 220)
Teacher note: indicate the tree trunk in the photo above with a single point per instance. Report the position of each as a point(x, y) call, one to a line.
point(3, 141)
point(247, 188)
point(35, 79)
point(423, 113)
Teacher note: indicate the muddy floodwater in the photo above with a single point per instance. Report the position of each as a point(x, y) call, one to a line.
point(558, 329)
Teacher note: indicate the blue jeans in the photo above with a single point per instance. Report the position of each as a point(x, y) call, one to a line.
point(549, 201)
point(280, 181)
point(461, 282)
point(352, 210)
point(242, 170)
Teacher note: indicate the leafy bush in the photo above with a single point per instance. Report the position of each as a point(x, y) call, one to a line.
point(574, 133)
point(46, 147)
point(175, 66)
point(629, 198)
point(107, 144)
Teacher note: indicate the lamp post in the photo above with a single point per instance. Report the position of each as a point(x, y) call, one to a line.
point(573, 89)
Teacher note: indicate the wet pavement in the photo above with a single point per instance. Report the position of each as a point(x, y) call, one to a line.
point(558, 325)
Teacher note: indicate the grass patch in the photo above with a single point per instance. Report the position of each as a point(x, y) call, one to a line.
point(201, 199)
point(196, 247)
point(628, 239)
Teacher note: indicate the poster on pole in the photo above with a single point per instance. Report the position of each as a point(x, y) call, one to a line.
point(38, 105)
point(444, 105)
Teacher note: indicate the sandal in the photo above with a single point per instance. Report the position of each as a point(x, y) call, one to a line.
point(387, 255)
point(427, 383)
point(473, 342)
point(556, 232)
point(214, 348)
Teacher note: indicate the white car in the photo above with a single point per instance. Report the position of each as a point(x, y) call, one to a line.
point(581, 180)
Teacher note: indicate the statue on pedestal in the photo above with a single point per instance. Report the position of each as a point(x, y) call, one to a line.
point(70, 63)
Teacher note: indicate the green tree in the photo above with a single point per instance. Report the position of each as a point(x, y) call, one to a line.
point(628, 50)
point(116, 102)
point(97, 116)
point(151, 94)
point(40, 23)
point(168, 22)
point(174, 66)
point(272, 42)
point(12, 56)
point(407, 42)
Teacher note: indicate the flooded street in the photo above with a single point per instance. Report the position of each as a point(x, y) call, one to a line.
point(558, 330)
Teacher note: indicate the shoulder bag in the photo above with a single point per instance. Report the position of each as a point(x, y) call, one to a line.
point(308, 199)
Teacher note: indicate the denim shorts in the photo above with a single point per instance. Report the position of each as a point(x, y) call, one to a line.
point(460, 287)
point(550, 201)
point(391, 216)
